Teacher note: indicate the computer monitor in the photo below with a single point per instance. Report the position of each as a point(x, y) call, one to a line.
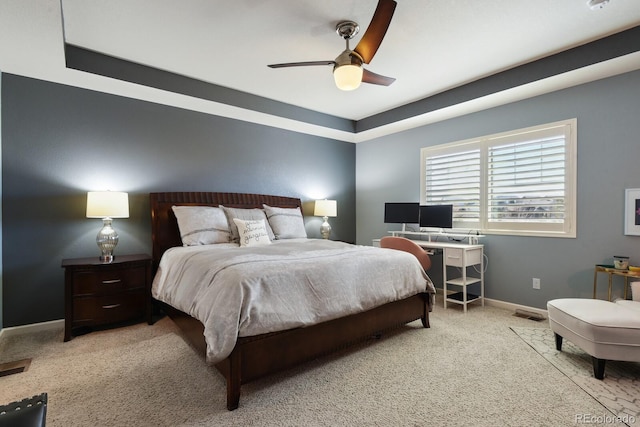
point(436, 216)
point(402, 213)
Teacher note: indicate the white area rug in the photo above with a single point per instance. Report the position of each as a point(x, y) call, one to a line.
point(619, 392)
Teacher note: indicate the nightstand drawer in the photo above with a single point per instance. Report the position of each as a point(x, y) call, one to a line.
point(108, 280)
point(108, 308)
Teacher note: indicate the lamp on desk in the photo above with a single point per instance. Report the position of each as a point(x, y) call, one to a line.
point(325, 208)
point(107, 205)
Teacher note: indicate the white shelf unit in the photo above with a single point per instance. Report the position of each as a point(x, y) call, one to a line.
point(465, 258)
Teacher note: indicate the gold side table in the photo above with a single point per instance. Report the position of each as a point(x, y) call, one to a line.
point(611, 271)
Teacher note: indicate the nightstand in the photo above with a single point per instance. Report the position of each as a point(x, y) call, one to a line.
point(98, 293)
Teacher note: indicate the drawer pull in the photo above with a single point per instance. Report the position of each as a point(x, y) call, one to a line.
point(111, 282)
point(110, 306)
point(453, 257)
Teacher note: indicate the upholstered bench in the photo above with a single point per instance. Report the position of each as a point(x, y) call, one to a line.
point(604, 330)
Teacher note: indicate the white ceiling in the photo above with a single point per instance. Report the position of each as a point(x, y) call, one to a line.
point(431, 45)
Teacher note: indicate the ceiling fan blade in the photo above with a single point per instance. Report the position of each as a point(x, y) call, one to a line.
point(376, 79)
point(370, 42)
point(301, 64)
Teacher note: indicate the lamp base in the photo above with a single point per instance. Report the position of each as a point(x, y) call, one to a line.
point(107, 240)
point(325, 228)
point(106, 259)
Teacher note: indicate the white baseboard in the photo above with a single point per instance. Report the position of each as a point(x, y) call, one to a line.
point(34, 327)
point(57, 324)
point(507, 305)
point(512, 307)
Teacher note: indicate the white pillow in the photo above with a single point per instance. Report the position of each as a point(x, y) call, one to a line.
point(252, 232)
point(202, 225)
point(245, 214)
point(286, 223)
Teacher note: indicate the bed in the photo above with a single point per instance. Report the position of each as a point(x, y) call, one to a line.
point(259, 349)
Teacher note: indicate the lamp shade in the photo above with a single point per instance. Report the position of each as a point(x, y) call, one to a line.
point(348, 77)
point(107, 204)
point(325, 208)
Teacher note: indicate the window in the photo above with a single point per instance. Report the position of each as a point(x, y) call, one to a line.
point(521, 182)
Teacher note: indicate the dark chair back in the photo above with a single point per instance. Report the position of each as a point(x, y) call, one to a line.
point(407, 245)
point(30, 412)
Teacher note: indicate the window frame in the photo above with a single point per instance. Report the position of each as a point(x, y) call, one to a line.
point(566, 228)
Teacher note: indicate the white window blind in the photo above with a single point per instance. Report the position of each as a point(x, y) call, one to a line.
point(454, 178)
point(520, 182)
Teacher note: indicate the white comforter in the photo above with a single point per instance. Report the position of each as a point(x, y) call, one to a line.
point(245, 291)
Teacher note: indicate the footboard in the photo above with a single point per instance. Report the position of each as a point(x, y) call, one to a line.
point(255, 357)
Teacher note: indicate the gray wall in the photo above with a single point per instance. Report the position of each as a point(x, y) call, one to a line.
point(388, 169)
point(58, 142)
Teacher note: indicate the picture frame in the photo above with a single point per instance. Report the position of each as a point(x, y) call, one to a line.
point(632, 212)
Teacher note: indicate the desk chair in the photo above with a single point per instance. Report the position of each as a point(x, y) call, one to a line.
point(407, 245)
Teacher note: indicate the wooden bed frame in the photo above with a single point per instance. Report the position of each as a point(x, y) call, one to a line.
point(257, 356)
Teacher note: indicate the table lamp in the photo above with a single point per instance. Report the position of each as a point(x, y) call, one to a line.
point(325, 209)
point(107, 205)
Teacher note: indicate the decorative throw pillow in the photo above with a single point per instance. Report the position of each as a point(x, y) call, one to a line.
point(245, 214)
point(286, 223)
point(202, 225)
point(252, 232)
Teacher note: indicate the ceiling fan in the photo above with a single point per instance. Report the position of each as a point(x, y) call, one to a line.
point(347, 67)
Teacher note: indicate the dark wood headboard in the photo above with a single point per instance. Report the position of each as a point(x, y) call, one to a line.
point(164, 226)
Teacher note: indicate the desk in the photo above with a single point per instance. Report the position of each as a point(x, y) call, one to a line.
point(601, 268)
point(462, 256)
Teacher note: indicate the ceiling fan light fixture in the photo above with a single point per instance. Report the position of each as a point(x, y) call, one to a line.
point(348, 77)
point(347, 67)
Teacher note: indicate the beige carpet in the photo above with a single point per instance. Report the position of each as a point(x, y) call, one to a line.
point(619, 391)
point(467, 369)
